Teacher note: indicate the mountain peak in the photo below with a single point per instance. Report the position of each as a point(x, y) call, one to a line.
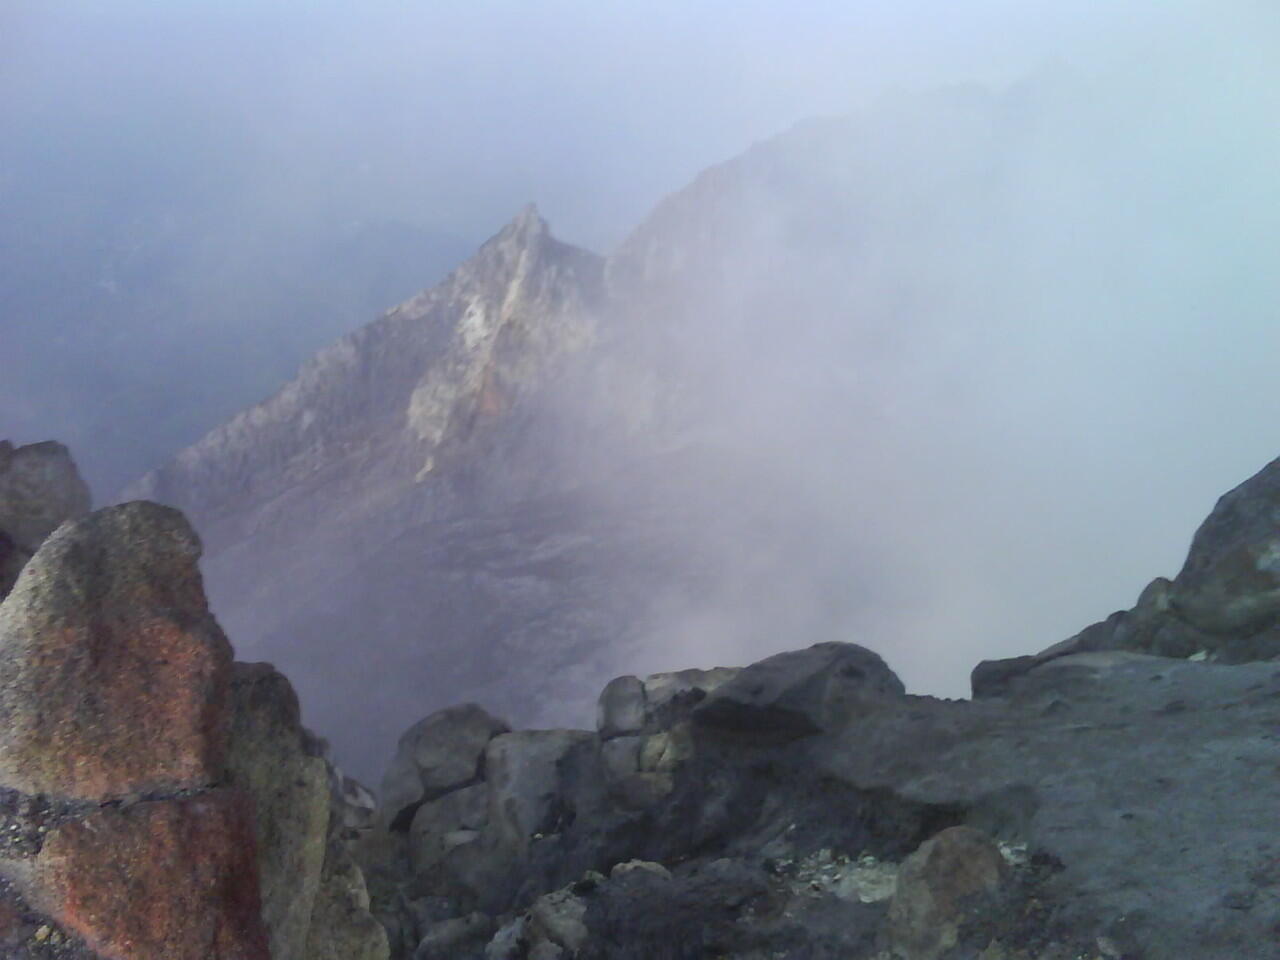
point(527, 224)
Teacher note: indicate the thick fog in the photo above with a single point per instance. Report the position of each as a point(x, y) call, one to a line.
point(194, 196)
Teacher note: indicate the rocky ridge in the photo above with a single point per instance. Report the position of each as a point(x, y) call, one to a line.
point(1097, 801)
point(1094, 802)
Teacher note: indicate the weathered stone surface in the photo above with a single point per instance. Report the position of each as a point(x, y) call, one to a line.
point(437, 754)
point(289, 790)
point(40, 488)
point(664, 752)
point(621, 756)
point(114, 675)
point(163, 880)
point(800, 692)
point(992, 678)
point(444, 823)
point(937, 885)
point(342, 926)
point(621, 708)
point(671, 697)
point(523, 774)
point(1230, 582)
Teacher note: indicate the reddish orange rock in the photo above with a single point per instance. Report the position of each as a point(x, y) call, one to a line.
point(114, 676)
point(163, 880)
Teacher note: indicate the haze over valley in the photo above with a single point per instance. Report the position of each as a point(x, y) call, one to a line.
point(941, 346)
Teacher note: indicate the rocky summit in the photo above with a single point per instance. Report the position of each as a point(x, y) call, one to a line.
point(1111, 797)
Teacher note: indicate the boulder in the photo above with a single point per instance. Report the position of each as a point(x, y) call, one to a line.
point(40, 488)
point(165, 880)
point(1230, 582)
point(800, 692)
point(937, 886)
point(525, 785)
point(439, 753)
point(621, 708)
point(114, 677)
point(621, 756)
point(444, 823)
point(289, 788)
point(670, 697)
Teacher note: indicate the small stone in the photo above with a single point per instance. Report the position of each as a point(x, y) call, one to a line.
point(42, 933)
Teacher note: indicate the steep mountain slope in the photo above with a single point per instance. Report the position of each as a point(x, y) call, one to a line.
point(819, 394)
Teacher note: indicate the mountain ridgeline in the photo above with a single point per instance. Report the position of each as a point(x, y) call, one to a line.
point(782, 411)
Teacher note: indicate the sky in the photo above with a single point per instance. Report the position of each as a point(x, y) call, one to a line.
point(173, 158)
point(454, 114)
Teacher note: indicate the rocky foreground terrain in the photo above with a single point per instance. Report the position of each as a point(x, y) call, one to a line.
point(1111, 798)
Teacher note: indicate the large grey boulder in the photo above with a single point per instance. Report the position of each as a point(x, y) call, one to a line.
point(800, 692)
point(671, 697)
point(1230, 582)
point(439, 753)
point(445, 823)
point(523, 771)
point(621, 708)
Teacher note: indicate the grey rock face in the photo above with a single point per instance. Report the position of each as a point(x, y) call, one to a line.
point(1230, 582)
point(525, 778)
point(445, 823)
point(438, 754)
point(621, 708)
point(1069, 811)
point(290, 787)
point(800, 692)
point(671, 697)
point(40, 488)
point(342, 926)
point(115, 676)
point(937, 886)
point(1223, 604)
